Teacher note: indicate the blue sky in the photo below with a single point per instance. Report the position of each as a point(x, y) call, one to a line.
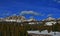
point(10, 7)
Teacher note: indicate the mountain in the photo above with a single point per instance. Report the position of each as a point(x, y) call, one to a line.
point(14, 19)
point(50, 19)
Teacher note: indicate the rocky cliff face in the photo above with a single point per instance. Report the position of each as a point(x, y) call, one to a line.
point(14, 18)
point(49, 19)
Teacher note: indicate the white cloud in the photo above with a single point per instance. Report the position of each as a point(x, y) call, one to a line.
point(29, 12)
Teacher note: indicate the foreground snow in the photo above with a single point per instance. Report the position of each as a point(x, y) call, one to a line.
point(45, 32)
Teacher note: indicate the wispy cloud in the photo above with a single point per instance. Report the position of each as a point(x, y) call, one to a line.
point(5, 14)
point(49, 15)
point(29, 12)
point(58, 1)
